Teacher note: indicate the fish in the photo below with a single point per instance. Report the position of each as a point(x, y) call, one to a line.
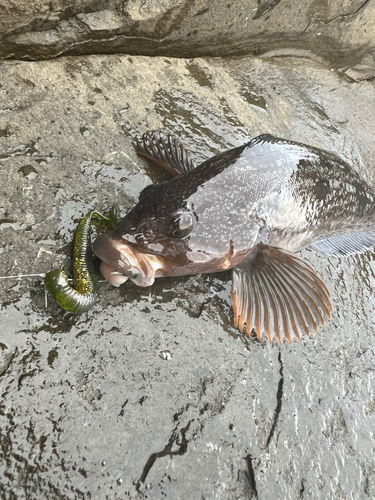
point(250, 209)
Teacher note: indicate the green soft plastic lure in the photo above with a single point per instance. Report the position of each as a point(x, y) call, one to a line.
point(84, 293)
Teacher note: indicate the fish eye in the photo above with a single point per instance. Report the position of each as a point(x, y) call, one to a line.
point(182, 224)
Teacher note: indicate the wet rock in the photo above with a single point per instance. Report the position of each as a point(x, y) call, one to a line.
point(153, 392)
point(343, 33)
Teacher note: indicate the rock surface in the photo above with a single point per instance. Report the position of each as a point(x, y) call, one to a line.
point(153, 393)
point(343, 32)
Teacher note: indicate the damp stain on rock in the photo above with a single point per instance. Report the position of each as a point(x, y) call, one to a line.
point(199, 74)
point(5, 132)
point(84, 131)
point(110, 174)
point(253, 97)
point(52, 356)
point(29, 172)
point(202, 128)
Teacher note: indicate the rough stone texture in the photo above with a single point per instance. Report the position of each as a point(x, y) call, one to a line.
point(153, 393)
point(341, 32)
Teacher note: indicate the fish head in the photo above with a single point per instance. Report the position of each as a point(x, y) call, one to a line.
point(168, 233)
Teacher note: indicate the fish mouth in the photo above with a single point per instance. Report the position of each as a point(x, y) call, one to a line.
point(121, 261)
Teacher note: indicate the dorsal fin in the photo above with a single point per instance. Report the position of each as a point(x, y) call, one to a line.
point(167, 151)
point(346, 244)
point(275, 292)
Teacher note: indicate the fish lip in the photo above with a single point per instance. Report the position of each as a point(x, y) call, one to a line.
point(121, 257)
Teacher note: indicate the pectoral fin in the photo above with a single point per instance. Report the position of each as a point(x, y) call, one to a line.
point(166, 151)
point(275, 292)
point(346, 244)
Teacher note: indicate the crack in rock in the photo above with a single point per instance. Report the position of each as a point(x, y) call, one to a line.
point(245, 485)
point(301, 491)
point(345, 15)
point(265, 6)
point(251, 475)
point(279, 397)
point(121, 414)
point(174, 439)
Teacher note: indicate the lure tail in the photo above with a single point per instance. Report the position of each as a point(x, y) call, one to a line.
point(83, 295)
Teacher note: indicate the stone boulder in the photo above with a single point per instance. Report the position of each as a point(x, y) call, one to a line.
point(342, 33)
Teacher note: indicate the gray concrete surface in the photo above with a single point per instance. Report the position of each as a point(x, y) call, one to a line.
point(153, 393)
